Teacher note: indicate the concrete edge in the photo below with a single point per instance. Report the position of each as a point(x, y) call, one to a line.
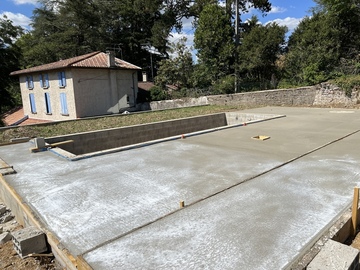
point(71, 157)
point(338, 230)
point(26, 217)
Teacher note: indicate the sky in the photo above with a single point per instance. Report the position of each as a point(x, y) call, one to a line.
point(284, 12)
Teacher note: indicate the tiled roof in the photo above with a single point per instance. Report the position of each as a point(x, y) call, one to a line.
point(90, 60)
point(17, 117)
point(145, 85)
point(13, 116)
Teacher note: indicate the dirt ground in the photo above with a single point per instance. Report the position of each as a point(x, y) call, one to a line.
point(10, 260)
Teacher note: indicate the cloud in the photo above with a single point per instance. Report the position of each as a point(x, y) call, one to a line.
point(17, 19)
point(22, 2)
point(175, 37)
point(275, 9)
point(187, 23)
point(289, 22)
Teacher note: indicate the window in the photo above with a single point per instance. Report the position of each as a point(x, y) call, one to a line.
point(44, 81)
point(29, 82)
point(47, 103)
point(64, 108)
point(62, 79)
point(32, 103)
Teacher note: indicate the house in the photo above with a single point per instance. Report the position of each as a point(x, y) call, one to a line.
point(88, 85)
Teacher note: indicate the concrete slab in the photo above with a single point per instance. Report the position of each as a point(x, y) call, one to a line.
point(122, 210)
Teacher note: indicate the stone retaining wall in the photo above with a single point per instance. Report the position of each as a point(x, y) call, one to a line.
point(332, 95)
point(324, 94)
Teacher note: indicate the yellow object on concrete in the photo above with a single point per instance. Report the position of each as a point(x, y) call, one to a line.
point(261, 137)
point(33, 150)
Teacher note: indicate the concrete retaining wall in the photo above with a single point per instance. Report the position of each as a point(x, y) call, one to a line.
point(111, 138)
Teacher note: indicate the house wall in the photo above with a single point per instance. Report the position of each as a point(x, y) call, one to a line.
point(89, 92)
point(103, 91)
point(54, 91)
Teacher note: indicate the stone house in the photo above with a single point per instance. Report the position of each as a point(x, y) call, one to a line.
point(88, 85)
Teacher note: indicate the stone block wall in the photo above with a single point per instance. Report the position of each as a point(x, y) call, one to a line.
point(331, 95)
point(324, 94)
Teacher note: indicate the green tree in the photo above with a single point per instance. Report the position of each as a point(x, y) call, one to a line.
point(313, 50)
point(9, 58)
point(176, 70)
point(325, 44)
point(214, 42)
point(260, 48)
point(66, 28)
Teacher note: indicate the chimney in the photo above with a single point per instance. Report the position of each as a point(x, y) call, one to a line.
point(144, 76)
point(110, 59)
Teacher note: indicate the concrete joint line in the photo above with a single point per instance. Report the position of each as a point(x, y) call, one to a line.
point(219, 192)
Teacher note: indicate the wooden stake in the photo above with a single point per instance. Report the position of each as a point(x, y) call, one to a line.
point(354, 215)
point(182, 204)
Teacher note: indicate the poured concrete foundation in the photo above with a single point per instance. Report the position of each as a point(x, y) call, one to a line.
point(249, 204)
point(95, 143)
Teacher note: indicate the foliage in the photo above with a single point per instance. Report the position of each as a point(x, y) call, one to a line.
point(314, 50)
point(259, 51)
point(326, 44)
point(178, 69)
point(225, 85)
point(67, 28)
point(347, 83)
point(214, 42)
point(9, 58)
point(158, 93)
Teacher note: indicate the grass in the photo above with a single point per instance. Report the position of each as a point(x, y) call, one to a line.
point(105, 122)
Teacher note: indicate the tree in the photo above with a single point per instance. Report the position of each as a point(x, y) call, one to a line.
point(260, 48)
point(9, 58)
point(325, 44)
point(66, 28)
point(313, 50)
point(178, 69)
point(214, 42)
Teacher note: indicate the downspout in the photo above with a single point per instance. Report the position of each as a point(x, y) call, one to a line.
point(133, 81)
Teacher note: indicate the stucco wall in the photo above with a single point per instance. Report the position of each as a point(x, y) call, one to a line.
point(103, 91)
point(89, 92)
point(54, 91)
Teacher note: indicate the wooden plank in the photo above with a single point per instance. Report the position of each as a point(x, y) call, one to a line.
point(354, 215)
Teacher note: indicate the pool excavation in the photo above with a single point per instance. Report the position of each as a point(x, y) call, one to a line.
point(89, 144)
point(203, 194)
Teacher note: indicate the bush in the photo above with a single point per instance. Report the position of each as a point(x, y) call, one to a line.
point(157, 93)
point(225, 85)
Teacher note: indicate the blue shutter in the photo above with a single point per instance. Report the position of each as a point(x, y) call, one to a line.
point(64, 108)
point(31, 85)
point(32, 103)
point(59, 78)
point(47, 84)
point(41, 81)
point(48, 104)
point(63, 78)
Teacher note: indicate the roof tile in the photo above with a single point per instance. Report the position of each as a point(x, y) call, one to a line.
point(90, 60)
